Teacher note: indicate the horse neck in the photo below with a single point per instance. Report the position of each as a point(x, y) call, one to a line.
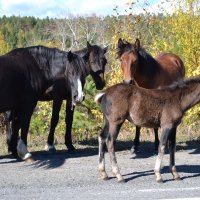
point(52, 62)
point(82, 53)
point(190, 96)
point(147, 71)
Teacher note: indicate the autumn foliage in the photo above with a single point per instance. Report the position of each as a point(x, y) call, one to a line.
point(177, 32)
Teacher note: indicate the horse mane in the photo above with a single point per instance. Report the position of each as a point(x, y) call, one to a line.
point(42, 62)
point(181, 83)
point(79, 66)
point(126, 46)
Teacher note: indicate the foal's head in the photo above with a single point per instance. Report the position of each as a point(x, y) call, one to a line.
point(75, 73)
point(97, 62)
point(129, 57)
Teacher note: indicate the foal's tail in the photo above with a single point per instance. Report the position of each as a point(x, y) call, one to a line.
point(99, 96)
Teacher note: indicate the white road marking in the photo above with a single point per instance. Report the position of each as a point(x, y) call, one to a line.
point(169, 189)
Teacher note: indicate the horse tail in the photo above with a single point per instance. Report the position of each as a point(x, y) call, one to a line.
point(99, 96)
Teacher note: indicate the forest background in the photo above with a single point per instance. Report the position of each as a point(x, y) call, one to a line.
point(177, 32)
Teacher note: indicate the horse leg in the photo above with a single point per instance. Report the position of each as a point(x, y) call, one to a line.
point(15, 126)
point(165, 132)
point(8, 123)
point(13, 118)
point(25, 117)
point(102, 149)
point(54, 121)
point(69, 121)
point(134, 148)
point(156, 140)
point(172, 146)
point(110, 142)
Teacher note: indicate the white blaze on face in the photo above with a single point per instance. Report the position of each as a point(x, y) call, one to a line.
point(80, 91)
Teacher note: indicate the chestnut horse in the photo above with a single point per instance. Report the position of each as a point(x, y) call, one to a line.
point(142, 69)
point(151, 108)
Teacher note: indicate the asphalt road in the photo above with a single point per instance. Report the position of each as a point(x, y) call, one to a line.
point(75, 176)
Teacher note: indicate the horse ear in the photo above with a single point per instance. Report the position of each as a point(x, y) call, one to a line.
point(105, 49)
point(137, 44)
point(70, 56)
point(120, 43)
point(88, 45)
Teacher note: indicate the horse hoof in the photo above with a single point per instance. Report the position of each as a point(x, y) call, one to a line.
point(133, 155)
point(29, 160)
point(160, 180)
point(121, 181)
point(177, 178)
point(14, 154)
point(71, 150)
point(50, 148)
point(53, 150)
point(105, 178)
point(133, 151)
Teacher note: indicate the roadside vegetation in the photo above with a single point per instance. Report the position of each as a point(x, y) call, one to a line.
point(177, 32)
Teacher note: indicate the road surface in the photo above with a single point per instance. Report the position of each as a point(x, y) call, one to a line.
point(75, 176)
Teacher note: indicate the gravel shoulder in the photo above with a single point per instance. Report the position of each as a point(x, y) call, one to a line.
point(75, 176)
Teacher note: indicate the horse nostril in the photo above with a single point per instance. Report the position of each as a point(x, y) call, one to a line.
point(75, 97)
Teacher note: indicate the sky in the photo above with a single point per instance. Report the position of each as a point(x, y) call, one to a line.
point(64, 8)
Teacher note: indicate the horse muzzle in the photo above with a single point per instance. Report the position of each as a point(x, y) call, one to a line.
point(128, 81)
point(78, 99)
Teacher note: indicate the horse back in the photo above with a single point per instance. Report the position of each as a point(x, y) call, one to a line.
point(12, 82)
point(172, 66)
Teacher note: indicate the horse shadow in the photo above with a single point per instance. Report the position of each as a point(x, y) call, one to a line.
point(194, 170)
point(49, 160)
point(9, 159)
point(192, 145)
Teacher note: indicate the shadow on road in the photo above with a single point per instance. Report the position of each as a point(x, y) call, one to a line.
point(48, 160)
point(135, 175)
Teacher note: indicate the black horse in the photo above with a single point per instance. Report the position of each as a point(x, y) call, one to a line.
point(95, 66)
point(26, 73)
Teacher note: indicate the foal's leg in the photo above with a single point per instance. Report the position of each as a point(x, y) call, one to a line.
point(165, 132)
point(69, 121)
point(102, 149)
point(54, 121)
point(134, 148)
point(172, 148)
point(111, 140)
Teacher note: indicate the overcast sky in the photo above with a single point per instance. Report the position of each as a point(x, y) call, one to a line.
point(60, 8)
